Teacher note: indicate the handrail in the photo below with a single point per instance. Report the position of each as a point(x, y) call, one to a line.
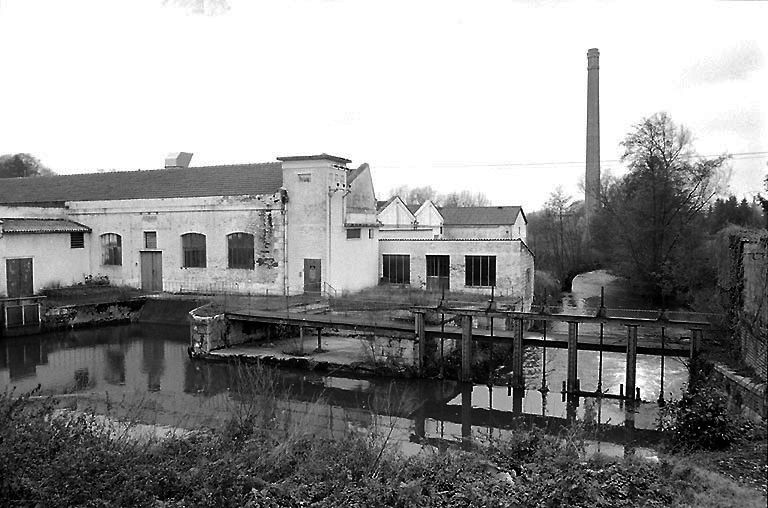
point(327, 287)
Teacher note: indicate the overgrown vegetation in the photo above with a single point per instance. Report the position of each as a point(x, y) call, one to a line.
point(265, 457)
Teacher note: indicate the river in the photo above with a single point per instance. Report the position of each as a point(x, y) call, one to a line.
point(144, 371)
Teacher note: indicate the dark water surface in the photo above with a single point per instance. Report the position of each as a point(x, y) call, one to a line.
point(144, 368)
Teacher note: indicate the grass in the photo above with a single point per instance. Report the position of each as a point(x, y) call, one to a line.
point(267, 456)
point(89, 294)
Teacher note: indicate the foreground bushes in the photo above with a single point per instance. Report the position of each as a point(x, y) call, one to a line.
point(263, 460)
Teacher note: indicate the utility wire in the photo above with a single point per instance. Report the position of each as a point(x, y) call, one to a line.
point(734, 156)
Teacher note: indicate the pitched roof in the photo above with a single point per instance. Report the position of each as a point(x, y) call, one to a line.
point(23, 225)
point(230, 180)
point(480, 215)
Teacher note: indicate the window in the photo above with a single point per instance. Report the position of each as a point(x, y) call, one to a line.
point(240, 250)
point(353, 233)
point(150, 239)
point(397, 268)
point(480, 270)
point(305, 177)
point(111, 249)
point(193, 250)
point(370, 233)
point(76, 241)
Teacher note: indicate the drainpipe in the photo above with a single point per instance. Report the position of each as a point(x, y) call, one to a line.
point(328, 201)
point(284, 199)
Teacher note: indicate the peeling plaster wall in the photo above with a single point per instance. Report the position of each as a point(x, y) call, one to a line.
point(514, 263)
point(53, 259)
point(215, 217)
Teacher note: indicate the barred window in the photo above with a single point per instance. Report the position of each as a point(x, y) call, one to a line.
point(193, 249)
point(240, 250)
point(480, 270)
point(397, 268)
point(150, 239)
point(111, 249)
point(76, 241)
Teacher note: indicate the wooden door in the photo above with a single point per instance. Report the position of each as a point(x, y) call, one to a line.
point(312, 276)
point(152, 271)
point(438, 273)
point(18, 275)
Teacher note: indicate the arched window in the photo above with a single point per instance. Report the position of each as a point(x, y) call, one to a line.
point(111, 249)
point(240, 250)
point(193, 249)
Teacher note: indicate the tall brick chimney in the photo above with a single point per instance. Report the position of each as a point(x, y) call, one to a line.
point(592, 177)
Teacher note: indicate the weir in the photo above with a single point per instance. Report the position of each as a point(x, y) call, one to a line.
point(466, 334)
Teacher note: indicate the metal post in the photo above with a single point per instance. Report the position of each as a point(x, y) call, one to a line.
point(544, 387)
point(319, 340)
point(466, 348)
point(466, 414)
point(600, 366)
point(661, 387)
point(573, 355)
point(631, 361)
point(442, 344)
point(422, 341)
point(517, 355)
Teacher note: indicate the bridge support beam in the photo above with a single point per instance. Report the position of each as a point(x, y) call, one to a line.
point(421, 337)
point(573, 356)
point(466, 348)
point(631, 372)
point(518, 380)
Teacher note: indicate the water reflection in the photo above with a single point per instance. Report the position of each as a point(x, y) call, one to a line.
point(149, 364)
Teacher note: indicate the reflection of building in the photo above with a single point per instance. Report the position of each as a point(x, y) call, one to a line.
point(153, 361)
point(303, 224)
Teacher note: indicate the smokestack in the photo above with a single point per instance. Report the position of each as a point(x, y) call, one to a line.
point(178, 160)
point(592, 177)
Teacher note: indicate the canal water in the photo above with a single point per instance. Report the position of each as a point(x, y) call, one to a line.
point(144, 371)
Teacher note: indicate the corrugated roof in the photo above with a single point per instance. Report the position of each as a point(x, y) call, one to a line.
point(479, 215)
point(230, 180)
point(24, 225)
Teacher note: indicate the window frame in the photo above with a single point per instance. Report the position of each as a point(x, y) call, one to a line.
point(194, 256)
point(111, 249)
point(79, 243)
point(480, 271)
point(241, 257)
point(150, 235)
point(400, 264)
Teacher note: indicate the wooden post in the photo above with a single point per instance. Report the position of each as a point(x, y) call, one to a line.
point(466, 348)
point(466, 415)
point(695, 341)
point(631, 376)
point(319, 340)
point(517, 355)
point(421, 337)
point(573, 355)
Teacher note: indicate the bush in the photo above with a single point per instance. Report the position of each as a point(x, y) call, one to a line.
point(699, 420)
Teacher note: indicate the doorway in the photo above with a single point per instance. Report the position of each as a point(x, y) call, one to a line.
point(438, 273)
point(312, 275)
point(151, 271)
point(18, 275)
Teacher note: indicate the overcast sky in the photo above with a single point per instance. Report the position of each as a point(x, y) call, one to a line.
point(457, 95)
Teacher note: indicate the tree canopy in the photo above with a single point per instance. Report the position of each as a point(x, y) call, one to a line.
point(652, 222)
point(418, 195)
point(22, 165)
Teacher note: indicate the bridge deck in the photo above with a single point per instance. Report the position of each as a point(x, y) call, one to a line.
point(646, 345)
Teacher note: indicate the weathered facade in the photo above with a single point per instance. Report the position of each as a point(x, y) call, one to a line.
point(303, 224)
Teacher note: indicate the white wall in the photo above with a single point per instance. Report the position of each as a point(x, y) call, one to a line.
point(53, 259)
point(215, 217)
point(514, 263)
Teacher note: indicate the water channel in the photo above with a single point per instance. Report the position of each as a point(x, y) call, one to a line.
point(144, 368)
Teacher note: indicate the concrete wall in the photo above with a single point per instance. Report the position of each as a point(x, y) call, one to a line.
point(514, 263)
point(214, 217)
point(53, 259)
point(516, 230)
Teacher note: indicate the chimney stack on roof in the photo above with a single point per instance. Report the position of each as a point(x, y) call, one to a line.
point(178, 160)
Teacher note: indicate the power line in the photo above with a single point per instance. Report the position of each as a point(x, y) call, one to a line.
point(451, 164)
